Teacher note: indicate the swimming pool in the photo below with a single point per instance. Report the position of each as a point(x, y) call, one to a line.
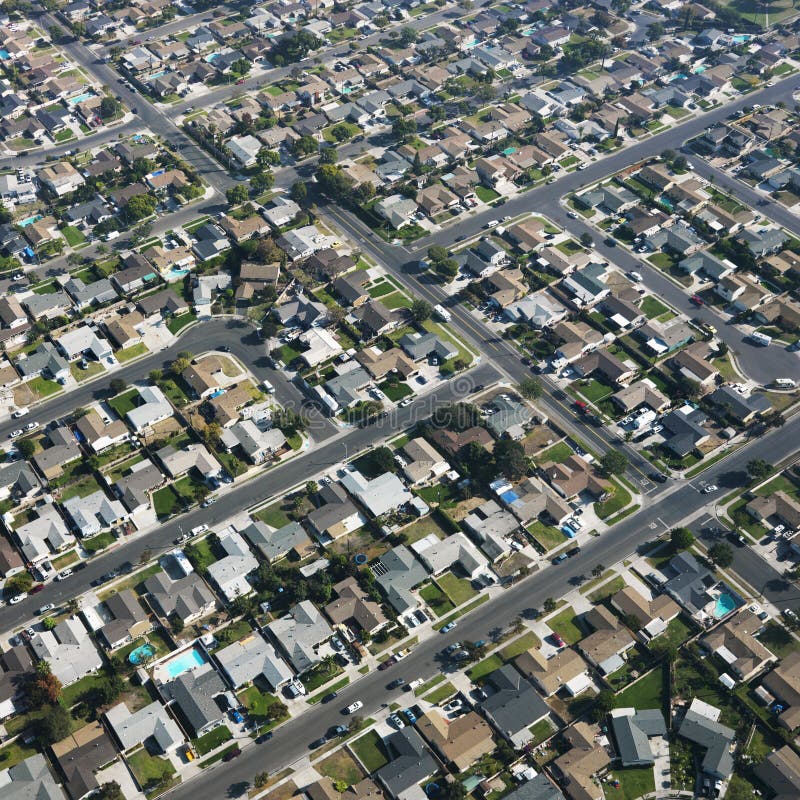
point(73, 101)
point(4, 56)
point(724, 605)
point(217, 393)
point(740, 38)
point(175, 273)
point(187, 660)
point(157, 75)
point(141, 654)
point(29, 220)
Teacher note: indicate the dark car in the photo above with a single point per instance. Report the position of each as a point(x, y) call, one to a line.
point(231, 754)
point(388, 663)
point(265, 737)
point(658, 477)
point(318, 742)
point(737, 538)
point(330, 696)
point(560, 557)
point(36, 589)
point(610, 242)
point(573, 551)
point(697, 300)
point(224, 348)
point(396, 683)
point(480, 387)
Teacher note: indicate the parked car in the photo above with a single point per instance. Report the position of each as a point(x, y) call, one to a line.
point(265, 737)
point(695, 299)
point(410, 715)
point(318, 742)
point(556, 637)
point(236, 716)
point(396, 683)
point(397, 722)
point(330, 696)
point(64, 574)
point(45, 608)
point(449, 627)
point(353, 707)
point(17, 598)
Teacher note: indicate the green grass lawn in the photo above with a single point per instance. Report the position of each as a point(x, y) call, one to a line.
point(459, 590)
point(486, 194)
point(396, 392)
point(547, 536)
point(370, 751)
point(634, 782)
point(521, 645)
point(99, 542)
point(176, 324)
point(13, 753)
point(134, 351)
point(83, 487)
point(436, 599)
point(150, 770)
point(565, 623)
point(440, 694)
point(777, 639)
point(319, 676)
point(256, 702)
point(645, 693)
point(166, 501)
point(428, 685)
point(73, 236)
point(607, 589)
point(615, 503)
point(212, 740)
point(93, 368)
point(340, 766)
point(652, 307)
point(541, 731)
point(333, 687)
point(41, 387)
point(676, 634)
point(380, 288)
point(483, 668)
point(558, 453)
point(125, 402)
point(593, 390)
point(273, 515)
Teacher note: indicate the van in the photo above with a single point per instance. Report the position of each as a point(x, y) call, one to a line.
point(268, 387)
point(761, 338)
point(785, 383)
point(112, 235)
point(442, 312)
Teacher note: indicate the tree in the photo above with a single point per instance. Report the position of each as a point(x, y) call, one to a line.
point(176, 623)
point(549, 605)
point(597, 571)
point(110, 107)
point(328, 155)
point(117, 385)
point(530, 388)
point(44, 689)
point(614, 463)
point(304, 146)
point(139, 207)
point(420, 310)
point(299, 193)
point(111, 791)
point(586, 239)
point(383, 459)
point(237, 194)
point(721, 554)
point(758, 469)
point(261, 779)
point(329, 663)
point(404, 128)
point(26, 448)
point(55, 724)
point(455, 790)
point(262, 181)
point(18, 584)
point(655, 31)
point(681, 538)
point(510, 459)
point(241, 67)
point(311, 488)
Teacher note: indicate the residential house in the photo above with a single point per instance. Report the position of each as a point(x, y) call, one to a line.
point(128, 620)
point(151, 725)
point(422, 462)
point(192, 695)
point(608, 644)
point(299, 635)
point(153, 409)
point(775, 505)
point(632, 733)
point(684, 430)
point(62, 449)
point(652, 616)
point(783, 683)
point(230, 572)
point(68, 649)
point(458, 742)
point(45, 533)
point(574, 339)
point(744, 409)
point(378, 495)
point(701, 726)
point(454, 552)
point(94, 513)
point(410, 764)
point(100, 433)
point(354, 609)
point(253, 658)
point(781, 772)
point(15, 666)
point(585, 758)
point(566, 669)
point(134, 488)
point(736, 644)
point(31, 777)
point(277, 544)
point(692, 363)
point(336, 516)
point(256, 442)
point(573, 476)
point(397, 572)
point(187, 598)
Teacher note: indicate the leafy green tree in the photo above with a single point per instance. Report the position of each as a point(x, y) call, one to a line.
point(111, 791)
point(510, 459)
point(549, 605)
point(420, 310)
point(299, 193)
point(237, 194)
point(26, 448)
point(110, 107)
point(140, 207)
point(404, 128)
point(721, 554)
point(614, 463)
point(304, 146)
point(758, 469)
point(383, 459)
point(55, 724)
point(328, 155)
point(530, 388)
point(241, 67)
point(586, 239)
point(681, 538)
point(19, 583)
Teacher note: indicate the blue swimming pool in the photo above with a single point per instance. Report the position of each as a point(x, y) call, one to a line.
point(217, 393)
point(29, 220)
point(141, 654)
point(176, 273)
point(4, 56)
point(187, 660)
point(73, 101)
point(724, 605)
point(740, 38)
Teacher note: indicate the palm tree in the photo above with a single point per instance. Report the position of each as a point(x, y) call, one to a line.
point(329, 663)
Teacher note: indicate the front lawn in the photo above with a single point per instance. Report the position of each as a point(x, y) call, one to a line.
point(486, 194)
point(99, 542)
point(615, 503)
point(41, 387)
point(125, 402)
point(81, 374)
point(521, 645)
point(547, 536)
point(566, 625)
point(176, 324)
point(459, 590)
point(320, 675)
point(651, 307)
point(436, 599)
point(397, 391)
point(370, 751)
point(340, 766)
point(273, 515)
point(440, 694)
point(212, 740)
point(594, 390)
point(148, 770)
point(483, 668)
point(73, 236)
point(607, 589)
point(134, 351)
point(558, 453)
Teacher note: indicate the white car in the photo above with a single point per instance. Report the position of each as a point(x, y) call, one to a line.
point(572, 214)
point(20, 412)
point(407, 401)
point(31, 426)
point(636, 276)
point(45, 608)
point(353, 707)
point(64, 574)
point(17, 598)
point(14, 434)
point(712, 487)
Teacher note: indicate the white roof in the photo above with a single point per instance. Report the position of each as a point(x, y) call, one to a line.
point(68, 649)
point(384, 493)
point(156, 407)
point(153, 720)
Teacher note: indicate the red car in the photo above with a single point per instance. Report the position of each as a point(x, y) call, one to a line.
point(240, 82)
point(36, 589)
point(697, 300)
point(581, 406)
point(558, 640)
point(231, 754)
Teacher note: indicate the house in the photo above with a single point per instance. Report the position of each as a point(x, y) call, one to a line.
point(539, 310)
point(94, 513)
point(253, 658)
point(689, 583)
point(230, 572)
point(282, 211)
point(684, 430)
point(83, 341)
point(490, 525)
point(100, 433)
point(96, 293)
point(18, 482)
point(736, 644)
point(585, 758)
point(423, 462)
point(128, 620)
point(514, 706)
point(336, 516)
point(299, 635)
point(573, 476)
point(277, 544)
point(506, 287)
point(257, 444)
point(10, 564)
point(700, 725)
point(15, 666)
point(641, 393)
point(605, 647)
point(651, 616)
point(163, 304)
point(134, 488)
point(354, 609)
point(781, 772)
point(632, 733)
point(586, 285)
point(423, 345)
point(244, 149)
point(511, 417)
point(458, 742)
point(47, 306)
point(303, 242)
point(150, 725)
point(436, 199)
point(154, 408)
point(211, 242)
point(452, 552)
point(532, 499)
point(736, 406)
point(241, 230)
point(397, 572)
point(397, 210)
point(783, 683)
point(135, 274)
point(60, 177)
point(378, 495)
point(187, 598)
point(302, 311)
point(538, 787)
point(45, 533)
point(621, 313)
point(193, 694)
point(30, 778)
point(574, 339)
point(410, 764)
point(375, 319)
point(452, 442)
point(566, 669)
point(62, 450)
point(775, 505)
point(68, 649)
point(692, 363)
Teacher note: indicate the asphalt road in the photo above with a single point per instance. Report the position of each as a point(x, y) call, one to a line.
point(317, 459)
point(291, 740)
